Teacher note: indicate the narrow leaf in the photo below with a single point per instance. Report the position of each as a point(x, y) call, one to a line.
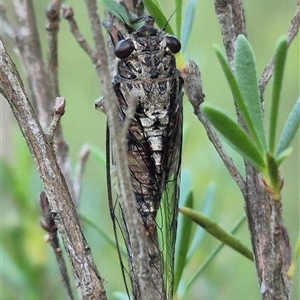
point(282, 155)
point(245, 74)
point(238, 139)
point(235, 90)
point(273, 175)
point(187, 23)
point(157, 4)
point(156, 12)
point(119, 12)
point(106, 236)
point(206, 209)
point(290, 129)
point(279, 62)
point(218, 232)
point(120, 296)
point(98, 155)
point(183, 241)
point(211, 257)
point(178, 12)
point(296, 254)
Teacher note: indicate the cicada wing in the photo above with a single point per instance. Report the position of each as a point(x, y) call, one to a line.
point(170, 199)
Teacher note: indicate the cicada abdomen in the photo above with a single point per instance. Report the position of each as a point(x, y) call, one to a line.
point(145, 63)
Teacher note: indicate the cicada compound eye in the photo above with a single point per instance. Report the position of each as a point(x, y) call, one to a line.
point(173, 44)
point(124, 48)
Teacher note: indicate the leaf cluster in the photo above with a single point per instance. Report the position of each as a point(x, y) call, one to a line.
point(252, 141)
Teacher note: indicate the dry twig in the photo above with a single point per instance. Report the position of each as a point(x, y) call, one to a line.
point(50, 227)
point(62, 207)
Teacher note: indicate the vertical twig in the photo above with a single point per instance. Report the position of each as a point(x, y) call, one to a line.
point(82, 159)
point(193, 88)
point(50, 227)
point(53, 16)
point(268, 235)
point(291, 34)
point(28, 43)
point(62, 207)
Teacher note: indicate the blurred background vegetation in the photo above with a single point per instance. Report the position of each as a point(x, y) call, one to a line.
point(28, 266)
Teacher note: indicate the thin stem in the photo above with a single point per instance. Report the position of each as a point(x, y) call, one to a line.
point(59, 110)
point(49, 226)
point(210, 258)
point(53, 16)
point(193, 88)
point(62, 207)
point(81, 163)
point(28, 43)
point(291, 34)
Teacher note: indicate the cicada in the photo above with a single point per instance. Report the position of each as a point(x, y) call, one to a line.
point(145, 63)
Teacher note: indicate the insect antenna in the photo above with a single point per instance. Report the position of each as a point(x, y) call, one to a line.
point(164, 28)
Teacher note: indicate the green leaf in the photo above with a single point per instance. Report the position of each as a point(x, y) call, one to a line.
point(282, 155)
point(245, 74)
point(120, 12)
point(218, 232)
point(238, 139)
point(235, 90)
point(295, 258)
point(188, 24)
point(206, 209)
point(183, 241)
point(98, 155)
point(106, 236)
point(289, 130)
point(120, 296)
point(178, 12)
point(279, 62)
point(157, 4)
point(273, 176)
point(211, 257)
point(156, 12)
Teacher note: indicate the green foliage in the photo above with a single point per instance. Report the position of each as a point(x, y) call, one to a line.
point(295, 259)
point(289, 131)
point(184, 233)
point(280, 57)
point(218, 232)
point(178, 12)
point(188, 23)
point(245, 75)
point(21, 238)
point(155, 11)
point(251, 144)
point(29, 268)
point(119, 11)
point(211, 257)
point(235, 136)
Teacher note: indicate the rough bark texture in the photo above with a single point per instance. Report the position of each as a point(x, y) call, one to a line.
point(269, 237)
point(62, 206)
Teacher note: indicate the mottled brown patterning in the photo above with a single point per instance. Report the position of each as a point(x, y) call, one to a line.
point(145, 66)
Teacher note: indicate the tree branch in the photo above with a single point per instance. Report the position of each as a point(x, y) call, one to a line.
point(49, 226)
point(291, 34)
point(62, 207)
point(269, 238)
point(193, 89)
point(28, 43)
